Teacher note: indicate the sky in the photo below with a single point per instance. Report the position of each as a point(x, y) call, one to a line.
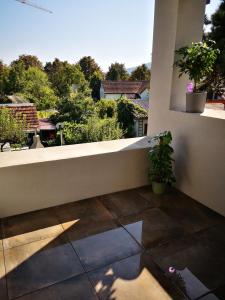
point(107, 30)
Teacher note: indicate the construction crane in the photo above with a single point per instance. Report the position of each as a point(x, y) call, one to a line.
point(27, 2)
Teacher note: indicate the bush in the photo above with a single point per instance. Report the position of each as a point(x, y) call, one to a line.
point(94, 130)
point(106, 108)
point(127, 112)
point(12, 128)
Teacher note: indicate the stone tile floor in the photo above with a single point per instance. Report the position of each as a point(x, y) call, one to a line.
point(131, 245)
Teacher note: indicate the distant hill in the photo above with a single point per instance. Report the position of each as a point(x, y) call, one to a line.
point(130, 70)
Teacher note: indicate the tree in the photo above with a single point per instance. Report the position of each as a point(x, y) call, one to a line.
point(106, 108)
point(141, 73)
point(37, 89)
point(127, 111)
point(4, 73)
point(63, 75)
point(95, 84)
point(29, 61)
point(16, 78)
point(77, 108)
point(117, 72)
point(11, 128)
point(214, 83)
point(217, 34)
point(89, 67)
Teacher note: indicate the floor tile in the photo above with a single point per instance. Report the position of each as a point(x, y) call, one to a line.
point(125, 203)
point(192, 215)
point(91, 209)
point(30, 227)
point(218, 294)
point(3, 291)
point(134, 278)
point(85, 228)
point(198, 262)
point(151, 227)
point(77, 287)
point(105, 248)
point(39, 264)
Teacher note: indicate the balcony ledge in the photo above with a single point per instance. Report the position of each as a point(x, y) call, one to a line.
point(9, 159)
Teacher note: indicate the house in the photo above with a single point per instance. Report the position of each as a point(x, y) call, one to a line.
point(141, 122)
point(25, 111)
point(131, 89)
point(47, 129)
point(28, 112)
point(136, 91)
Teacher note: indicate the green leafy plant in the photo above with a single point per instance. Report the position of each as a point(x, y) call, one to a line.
point(94, 130)
point(160, 157)
point(197, 61)
point(12, 128)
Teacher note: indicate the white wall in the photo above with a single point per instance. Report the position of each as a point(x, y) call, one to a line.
point(102, 93)
point(145, 95)
point(112, 96)
point(199, 141)
point(36, 179)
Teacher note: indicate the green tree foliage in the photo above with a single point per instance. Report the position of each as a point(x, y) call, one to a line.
point(117, 71)
point(215, 82)
point(127, 111)
point(141, 73)
point(93, 131)
point(77, 108)
point(16, 78)
point(217, 34)
point(4, 72)
point(63, 75)
point(106, 108)
point(28, 61)
point(11, 128)
point(88, 67)
point(95, 84)
point(37, 89)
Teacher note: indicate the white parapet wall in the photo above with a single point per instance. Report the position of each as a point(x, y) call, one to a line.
point(198, 139)
point(36, 179)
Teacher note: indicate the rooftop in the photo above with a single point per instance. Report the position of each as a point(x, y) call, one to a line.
point(24, 110)
point(143, 103)
point(46, 124)
point(125, 87)
point(126, 245)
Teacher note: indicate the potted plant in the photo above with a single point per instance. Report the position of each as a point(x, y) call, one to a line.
point(197, 61)
point(161, 162)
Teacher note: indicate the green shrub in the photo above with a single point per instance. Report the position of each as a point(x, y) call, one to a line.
point(106, 108)
point(94, 130)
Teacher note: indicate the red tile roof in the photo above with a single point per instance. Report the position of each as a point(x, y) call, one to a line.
point(143, 103)
point(125, 87)
point(24, 110)
point(46, 124)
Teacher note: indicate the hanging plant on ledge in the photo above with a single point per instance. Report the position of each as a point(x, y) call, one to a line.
point(161, 162)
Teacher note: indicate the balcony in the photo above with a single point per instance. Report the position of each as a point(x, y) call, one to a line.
point(126, 245)
point(80, 222)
